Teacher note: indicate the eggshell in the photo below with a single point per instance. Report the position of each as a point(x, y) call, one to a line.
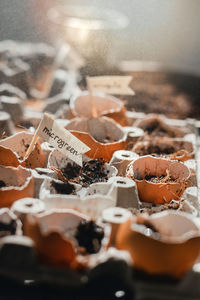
point(92, 131)
point(173, 254)
point(105, 106)
point(19, 144)
point(19, 184)
point(161, 192)
point(52, 233)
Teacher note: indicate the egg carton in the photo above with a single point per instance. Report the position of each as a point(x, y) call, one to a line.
point(120, 160)
point(26, 269)
point(191, 197)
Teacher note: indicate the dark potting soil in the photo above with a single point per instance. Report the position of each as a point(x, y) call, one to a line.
point(2, 184)
point(89, 236)
point(8, 229)
point(156, 149)
point(64, 188)
point(91, 172)
point(106, 140)
point(155, 126)
point(160, 179)
point(71, 171)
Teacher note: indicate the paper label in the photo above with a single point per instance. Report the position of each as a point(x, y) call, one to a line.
point(61, 139)
point(110, 85)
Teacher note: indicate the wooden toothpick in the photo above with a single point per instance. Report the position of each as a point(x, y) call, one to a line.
point(93, 108)
point(30, 148)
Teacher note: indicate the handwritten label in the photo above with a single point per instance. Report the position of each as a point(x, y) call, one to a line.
point(110, 85)
point(61, 139)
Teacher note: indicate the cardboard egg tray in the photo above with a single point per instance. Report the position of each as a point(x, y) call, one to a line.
point(112, 276)
point(19, 264)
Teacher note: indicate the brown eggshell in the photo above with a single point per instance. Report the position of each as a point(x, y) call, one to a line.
point(19, 144)
point(183, 150)
point(53, 249)
point(8, 157)
point(155, 125)
point(90, 131)
point(173, 254)
point(19, 184)
point(52, 235)
point(105, 106)
point(158, 193)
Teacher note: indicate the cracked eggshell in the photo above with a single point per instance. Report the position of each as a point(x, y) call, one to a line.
point(53, 234)
point(19, 144)
point(161, 192)
point(180, 150)
point(57, 161)
point(86, 201)
point(172, 251)
point(105, 105)
point(155, 125)
point(93, 132)
point(8, 157)
point(19, 184)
